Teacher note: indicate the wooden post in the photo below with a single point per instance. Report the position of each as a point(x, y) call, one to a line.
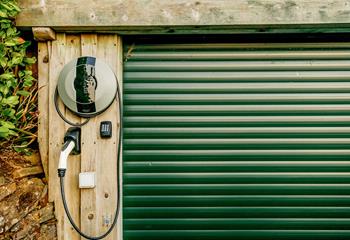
point(89, 156)
point(56, 131)
point(99, 155)
point(43, 98)
point(90, 208)
point(108, 49)
point(73, 50)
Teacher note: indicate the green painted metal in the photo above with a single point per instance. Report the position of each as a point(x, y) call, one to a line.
point(237, 141)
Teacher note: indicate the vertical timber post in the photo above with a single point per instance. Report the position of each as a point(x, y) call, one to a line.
point(92, 209)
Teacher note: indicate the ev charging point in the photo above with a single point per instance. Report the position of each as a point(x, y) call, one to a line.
point(87, 180)
point(87, 87)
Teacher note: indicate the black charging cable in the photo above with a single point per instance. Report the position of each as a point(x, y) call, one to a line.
point(61, 174)
point(55, 99)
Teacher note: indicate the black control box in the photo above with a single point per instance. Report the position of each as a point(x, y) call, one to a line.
point(106, 129)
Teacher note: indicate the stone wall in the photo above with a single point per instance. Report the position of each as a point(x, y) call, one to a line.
point(25, 212)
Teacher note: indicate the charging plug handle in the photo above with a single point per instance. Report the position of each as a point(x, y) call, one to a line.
point(73, 134)
point(65, 151)
point(71, 145)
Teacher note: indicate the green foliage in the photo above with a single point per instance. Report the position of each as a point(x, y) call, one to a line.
point(18, 88)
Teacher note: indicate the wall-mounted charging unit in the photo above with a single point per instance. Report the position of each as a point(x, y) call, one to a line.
point(87, 87)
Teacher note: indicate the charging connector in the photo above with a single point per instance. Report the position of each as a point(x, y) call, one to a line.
point(71, 145)
point(66, 150)
point(73, 134)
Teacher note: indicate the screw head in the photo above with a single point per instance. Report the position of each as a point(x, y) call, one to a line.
point(90, 216)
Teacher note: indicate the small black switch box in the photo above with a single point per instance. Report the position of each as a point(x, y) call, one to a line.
point(106, 129)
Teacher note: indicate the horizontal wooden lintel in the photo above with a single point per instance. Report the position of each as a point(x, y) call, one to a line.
point(187, 16)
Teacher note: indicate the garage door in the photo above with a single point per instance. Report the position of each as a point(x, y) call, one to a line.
point(236, 141)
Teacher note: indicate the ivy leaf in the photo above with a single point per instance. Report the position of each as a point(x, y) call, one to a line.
point(5, 25)
point(9, 112)
point(4, 132)
point(3, 14)
point(17, 58)
point(15, 80)
point(15, 7)
point(3, 62)
point(30, 61)
point(4, 20)
point(11, 83)
point(21, 73)
point(10, 32)
point(10, 43)
point(7, 124)
point(2, 50)
point(26, 44)
point(12, 100)
point(27, 72)
point(28, 81)
point(23, 93)
point(4, 90)
point(7, 76)
point(13, 133)
point(6, 6)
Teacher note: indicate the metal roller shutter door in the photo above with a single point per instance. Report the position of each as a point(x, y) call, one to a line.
point(237, 141)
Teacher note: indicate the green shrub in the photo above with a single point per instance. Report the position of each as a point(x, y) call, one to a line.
point(18, 88)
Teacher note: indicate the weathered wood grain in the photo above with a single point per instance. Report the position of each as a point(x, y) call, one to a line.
point(186, 15)
point(43, 98)
point(119, 74)
point(57, 55)
point(90, 160)
point(73, 51)
point(28, 171)
point(107, 148)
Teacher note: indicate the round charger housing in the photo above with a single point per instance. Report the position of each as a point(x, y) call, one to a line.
point(87, 86)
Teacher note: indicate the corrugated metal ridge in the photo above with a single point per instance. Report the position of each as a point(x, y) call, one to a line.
point(237, 141)
point(225, 46)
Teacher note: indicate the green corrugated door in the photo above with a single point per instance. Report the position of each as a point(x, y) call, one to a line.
point(237, 141)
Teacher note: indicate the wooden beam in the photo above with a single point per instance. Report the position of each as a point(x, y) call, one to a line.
point(195, 16)
point(73, 50)
point(43, 34)
point(43, 99)
point(98, 154)
point(57, 52)
point(89, 220)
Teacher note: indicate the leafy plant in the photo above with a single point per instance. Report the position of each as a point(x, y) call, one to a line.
point(18, 88)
